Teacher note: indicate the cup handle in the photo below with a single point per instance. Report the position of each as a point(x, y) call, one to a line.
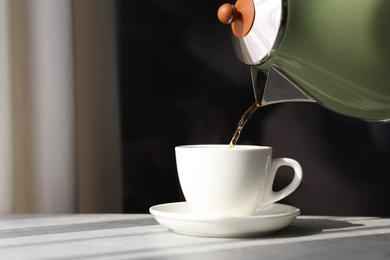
point(273, 196)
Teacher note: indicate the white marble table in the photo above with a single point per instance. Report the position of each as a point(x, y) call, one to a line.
point(138, 236)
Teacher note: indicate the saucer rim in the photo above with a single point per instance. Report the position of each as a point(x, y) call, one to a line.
point(193, 217)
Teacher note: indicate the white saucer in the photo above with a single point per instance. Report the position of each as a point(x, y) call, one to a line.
point(179, 218)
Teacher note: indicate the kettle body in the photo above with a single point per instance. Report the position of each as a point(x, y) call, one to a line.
point(336, 52)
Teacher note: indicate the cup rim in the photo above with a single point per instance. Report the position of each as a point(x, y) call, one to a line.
point(240, 147)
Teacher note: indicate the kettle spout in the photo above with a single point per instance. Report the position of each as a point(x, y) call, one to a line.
point(274, 86)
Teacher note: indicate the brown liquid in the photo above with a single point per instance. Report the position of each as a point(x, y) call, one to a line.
point(245, 117)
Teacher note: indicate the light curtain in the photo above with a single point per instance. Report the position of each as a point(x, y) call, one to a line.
point(59, 108)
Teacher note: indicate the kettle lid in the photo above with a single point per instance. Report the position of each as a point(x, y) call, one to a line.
point(257, 26)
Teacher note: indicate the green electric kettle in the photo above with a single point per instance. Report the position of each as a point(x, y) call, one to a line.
point(332, 52)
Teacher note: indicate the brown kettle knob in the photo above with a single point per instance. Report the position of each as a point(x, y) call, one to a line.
point(241, 16)
point(227, 13)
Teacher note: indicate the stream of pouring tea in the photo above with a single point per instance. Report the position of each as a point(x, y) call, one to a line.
point(245, 117)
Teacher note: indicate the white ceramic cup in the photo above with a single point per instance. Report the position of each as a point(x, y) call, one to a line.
point(221, 181)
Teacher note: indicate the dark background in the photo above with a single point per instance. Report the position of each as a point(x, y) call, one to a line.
point(181, 83)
